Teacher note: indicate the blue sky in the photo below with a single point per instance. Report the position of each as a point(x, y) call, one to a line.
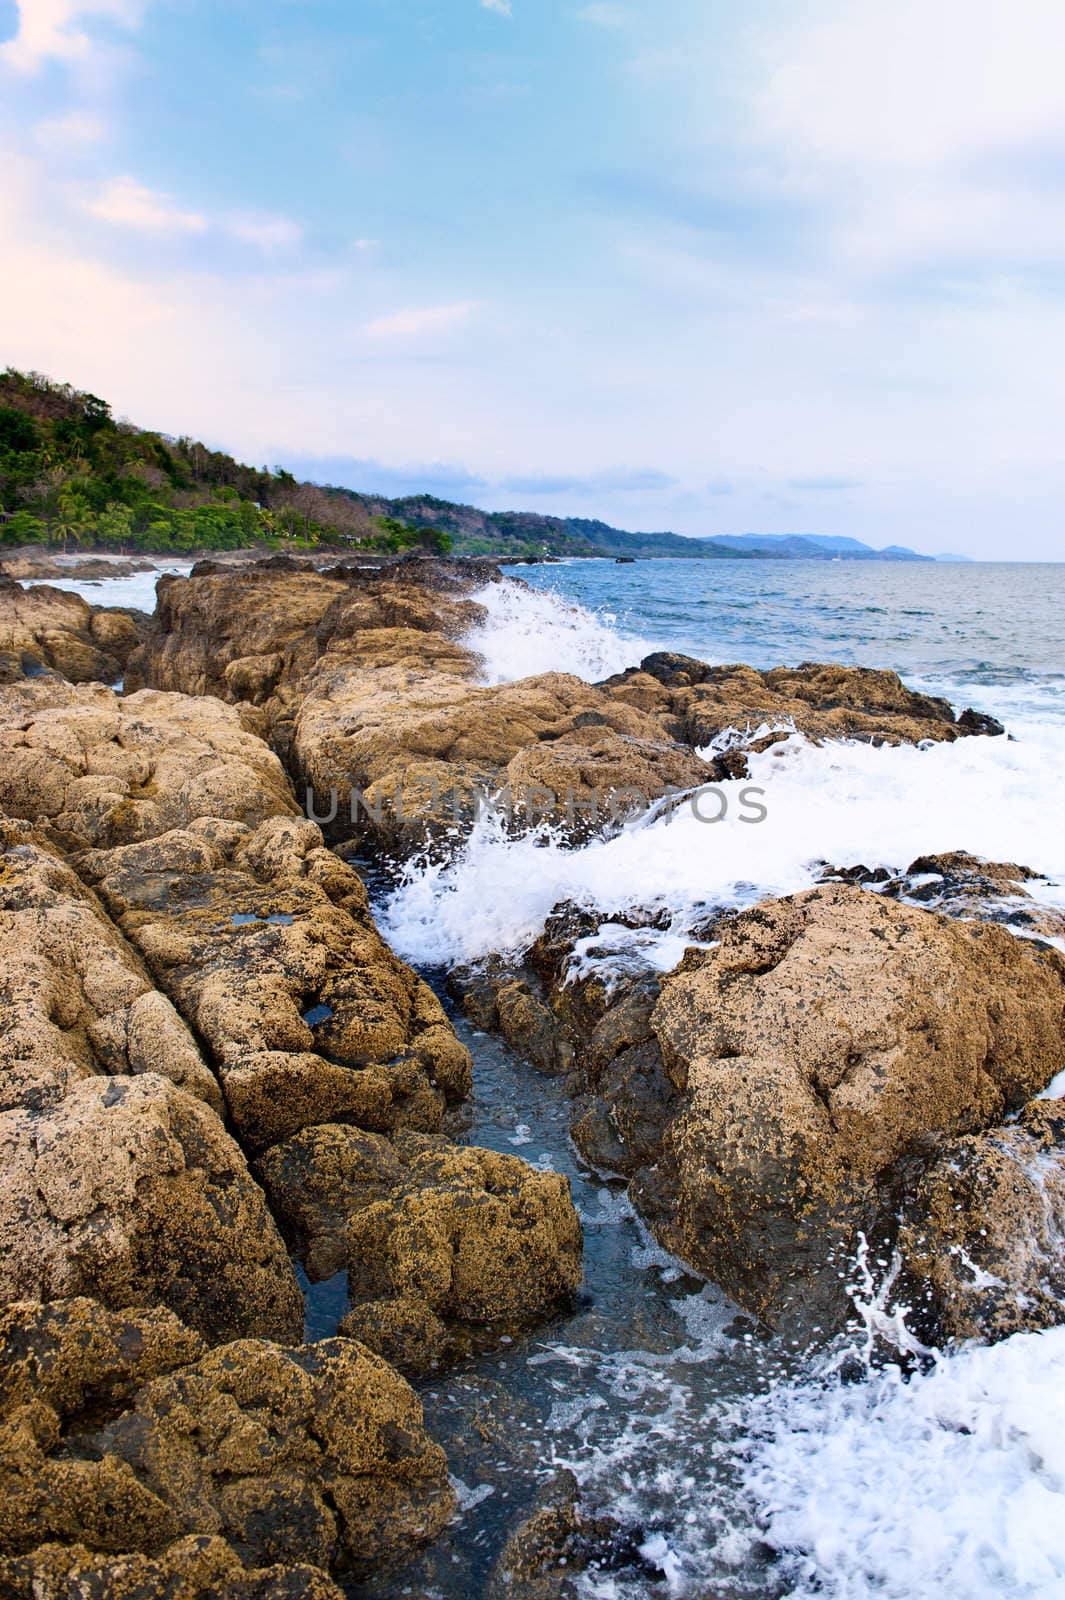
point(677, 263)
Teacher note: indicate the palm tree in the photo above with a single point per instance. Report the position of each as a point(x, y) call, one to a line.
point(70, 523)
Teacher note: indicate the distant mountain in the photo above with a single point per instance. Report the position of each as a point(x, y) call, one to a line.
point(945, 556)
point(813, 547)
point(529, 533)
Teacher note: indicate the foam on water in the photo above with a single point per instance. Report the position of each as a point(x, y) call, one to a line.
point(949, 1485)
point(843, 804)
point(528, 631)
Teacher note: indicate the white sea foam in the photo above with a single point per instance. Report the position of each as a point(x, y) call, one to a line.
point(948, 1486)
point(528, 631)
point(843, 804)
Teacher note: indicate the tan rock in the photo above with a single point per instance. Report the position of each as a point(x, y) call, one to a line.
point(447, 1248)
point(984, 1240)
point(255, 1455)
point(50, 630)
point(132, 1191)
point(75, 1000)
point(195, 1568)
point(264, 941)
point(103, 771)
point(420, 742)
point(957, 884)
point(737, 708)
point(828, 1040)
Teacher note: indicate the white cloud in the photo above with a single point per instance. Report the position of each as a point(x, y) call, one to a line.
point(128, 204)
point(413, 323)
point(267, 233)
point(917, 81)
point(49, 29)
point(918, 129)
point(72, 131)
point(502, 6)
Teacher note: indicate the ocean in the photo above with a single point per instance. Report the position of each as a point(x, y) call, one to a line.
point(745, 1468)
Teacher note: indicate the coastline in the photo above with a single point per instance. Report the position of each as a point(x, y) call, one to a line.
point(257, 1021)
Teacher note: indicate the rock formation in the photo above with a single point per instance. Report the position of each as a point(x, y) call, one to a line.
point(446, 1249)
point(128, 1452)
point(45, 630)
point(984, 1239)
point(782, 1092)
point(737, 710)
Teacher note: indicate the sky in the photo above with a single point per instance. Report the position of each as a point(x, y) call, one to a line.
point(785, 266)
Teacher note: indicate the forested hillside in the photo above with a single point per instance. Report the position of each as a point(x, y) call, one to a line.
point(73, 476)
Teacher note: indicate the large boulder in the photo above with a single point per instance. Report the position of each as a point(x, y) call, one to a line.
point(264, 941)
point(255, 633)
point(75, 1000)
point(132, 1191)
point(984, 1238)
point(409, 731)
point(821, 1051)
point(119, 1435)
point(103, 771)
point(45, 630)
point(447, 1249)
point(783, 1090)
point(736, 709)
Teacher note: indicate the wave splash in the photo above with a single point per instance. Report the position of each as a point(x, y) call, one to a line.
point(529, 631)
point(843, 804)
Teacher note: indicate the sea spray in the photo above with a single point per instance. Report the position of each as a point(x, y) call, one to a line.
point(527, 632)
point(837, 804)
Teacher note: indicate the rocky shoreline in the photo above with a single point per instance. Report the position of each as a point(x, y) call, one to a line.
point(216, 1070)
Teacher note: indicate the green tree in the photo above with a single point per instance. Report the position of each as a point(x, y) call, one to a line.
point(114, 526)
point(23, 528)
point(72, 522)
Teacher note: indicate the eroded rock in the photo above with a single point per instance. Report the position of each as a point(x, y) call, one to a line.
point(264, 941)
point(984, 1240)
point(103, 771)
point(256, 1456)
point(447, 1248)
point(132, 1191)
point(199, 1567)
point(737, 710)
point(45, 630)
point(828, 1041)
point(75, 1000)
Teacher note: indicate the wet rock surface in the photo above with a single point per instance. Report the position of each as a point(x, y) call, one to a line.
point(120, 1436)
point(984, 1238)
point(558, 1541)
point(778, 1094)
point(447, 1249)
point(737, 709)
point(826, 1041)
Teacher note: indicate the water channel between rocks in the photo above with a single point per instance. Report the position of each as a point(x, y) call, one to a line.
point(629, 1390)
